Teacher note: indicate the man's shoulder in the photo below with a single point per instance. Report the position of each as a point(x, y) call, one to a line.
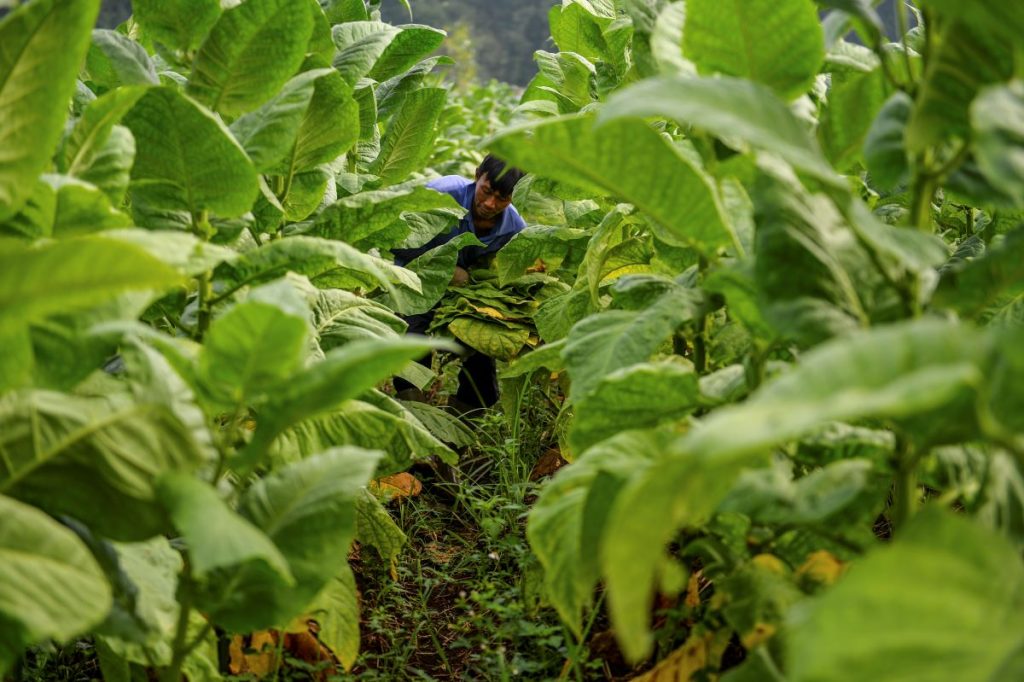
point(450, 183)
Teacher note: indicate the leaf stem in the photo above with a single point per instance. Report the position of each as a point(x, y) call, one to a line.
point(905, 493)
point(180, 647)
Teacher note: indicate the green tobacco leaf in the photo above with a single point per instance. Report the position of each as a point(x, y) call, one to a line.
point(80, 208)
point(308, 510)
point(364, 219)
point(679, 490)
point(392, 92)
point(217, 538)
point(566, 524)
point(375, 527)
point(640, 396)
point(115, 60)
point(997, 117)
point(341, 316)
point(771, 496)
point(48, 37)
point(548, 356)
point(184, 252)
point(1000, 18)
point(726, 108)
point(90, 448)
point(59, 277)
point(966, 60)
point(268, 134)
point(252, 50)
point(178, 24)
point(906, 373)
point(442, 424)
point(654, 176)
point(252, 350)
point(336, 609)
point(667, 40)
point(973, 286)
point(882, 622)
point(493, 339)
point(778, 44)
point(854, 100)
point(327, 263)
point(50, 585)
point(413, 43)
point(434, 269)
point(549, 244)
point(410, 135)
point(604, 343)
point(361, 424)
point(884, 146)
point(343, 374)
point(186, 158)
point(148, 572)
point(360, 44)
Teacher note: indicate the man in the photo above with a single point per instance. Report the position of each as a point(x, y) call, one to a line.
point(491, 216)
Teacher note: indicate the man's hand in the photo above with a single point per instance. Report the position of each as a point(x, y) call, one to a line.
point(461, 277)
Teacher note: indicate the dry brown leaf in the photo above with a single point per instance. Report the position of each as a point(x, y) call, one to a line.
point(399, 485)
point(550, 462)
point(693, 590)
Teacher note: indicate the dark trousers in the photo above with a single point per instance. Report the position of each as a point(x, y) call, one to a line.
point(478, 378)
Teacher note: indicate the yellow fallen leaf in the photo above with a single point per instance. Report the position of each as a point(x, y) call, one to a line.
point(490, 312)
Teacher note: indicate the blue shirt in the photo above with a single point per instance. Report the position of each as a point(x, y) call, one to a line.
point(507, 225)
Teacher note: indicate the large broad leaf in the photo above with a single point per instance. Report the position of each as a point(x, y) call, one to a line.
point(374, 219)
point(327, 263)
point(253, 349)
point(178, 24)
point(971, 287)
point(1004, 19)
point(308, 511)
point(341, 316)
point(679, 490)
point(966, 60)
point(500, 340)
point(548, 244)
point(777, 43)
point(343, 374)
point(910, 374)
point(640, 396)
point(59, 277)
point(186, 158)
point(252, 50)
point(653, 174)
point(434, 269)
point(882, 621)
point(91, 449)
point(413, 43)
point(115, 60)
point(604, 343)
point(729, 108)
point(361, 424)
point(360, 44)
point(375, 528)
point(853, 102)
point(218, 539)
point(336, 610)
point(50, 585)
point(997, 116)
point(78, 208)
point(885, 153)
point(409, 138)
point(567, 523)
point(184, 252)
point(44, 45)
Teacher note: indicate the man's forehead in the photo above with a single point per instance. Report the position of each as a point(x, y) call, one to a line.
point(485, 181)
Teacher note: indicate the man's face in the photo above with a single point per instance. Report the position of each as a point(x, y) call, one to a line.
point(488, 203)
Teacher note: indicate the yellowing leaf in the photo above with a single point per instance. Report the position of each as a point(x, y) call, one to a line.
point(822, 567)
point(683, 662)
point(770, 562)
point(490, 312)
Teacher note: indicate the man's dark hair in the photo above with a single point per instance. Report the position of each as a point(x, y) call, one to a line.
point(503, 178)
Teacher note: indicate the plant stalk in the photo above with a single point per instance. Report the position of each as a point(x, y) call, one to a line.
point(180, 647)
point(905, 493)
